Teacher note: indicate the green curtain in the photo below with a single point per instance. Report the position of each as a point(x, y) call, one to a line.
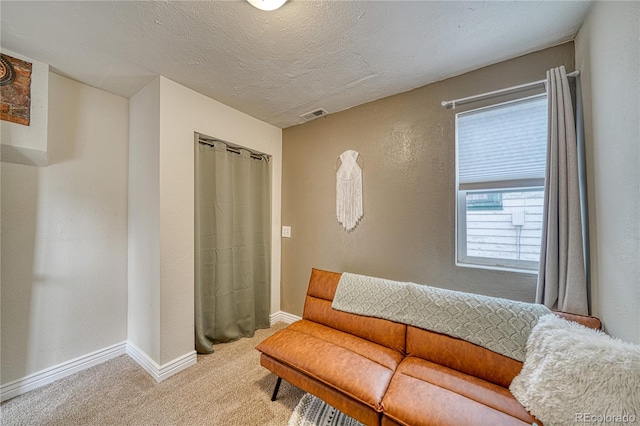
point(233, 245)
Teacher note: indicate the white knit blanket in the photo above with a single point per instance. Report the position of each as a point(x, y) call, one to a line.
point(499, 325)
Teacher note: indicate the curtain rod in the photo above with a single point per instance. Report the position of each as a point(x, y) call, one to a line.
point(455, 102)
point(234, 148)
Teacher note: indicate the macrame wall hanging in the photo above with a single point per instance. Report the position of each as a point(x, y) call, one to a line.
point(349, 190)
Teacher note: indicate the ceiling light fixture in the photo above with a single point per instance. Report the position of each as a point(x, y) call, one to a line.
point(267, 4)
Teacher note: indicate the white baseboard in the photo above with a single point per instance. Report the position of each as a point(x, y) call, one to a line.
point(161, 372)
point(285, 317)
point(51, 374)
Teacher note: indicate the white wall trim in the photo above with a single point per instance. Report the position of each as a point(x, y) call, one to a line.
point(282, 316)
point(51, 374)
point(161, 372)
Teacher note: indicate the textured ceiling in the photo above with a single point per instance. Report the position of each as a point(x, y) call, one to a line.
point(278, 65)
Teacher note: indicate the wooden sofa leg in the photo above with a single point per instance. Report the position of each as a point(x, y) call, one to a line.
point(275, 391)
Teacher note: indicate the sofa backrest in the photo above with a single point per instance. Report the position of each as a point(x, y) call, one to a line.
point(317, 308)
point(462, 356)
point(472, 359)
point(439, 348)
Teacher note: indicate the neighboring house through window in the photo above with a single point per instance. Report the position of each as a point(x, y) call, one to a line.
point(500, 167)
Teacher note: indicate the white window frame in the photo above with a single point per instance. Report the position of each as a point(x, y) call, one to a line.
point(462, 260)
point(514, 265)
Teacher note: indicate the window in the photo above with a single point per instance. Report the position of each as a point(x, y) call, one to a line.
point(484, 201)
point(500, 167)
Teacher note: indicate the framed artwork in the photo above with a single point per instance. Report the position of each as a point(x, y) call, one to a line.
point(15, 90)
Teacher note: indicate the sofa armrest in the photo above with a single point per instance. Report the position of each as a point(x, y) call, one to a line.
point(587, 321)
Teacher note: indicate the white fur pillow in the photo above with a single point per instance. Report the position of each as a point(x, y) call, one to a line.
point(573, 374)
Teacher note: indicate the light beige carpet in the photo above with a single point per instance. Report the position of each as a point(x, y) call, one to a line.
point(228, 387)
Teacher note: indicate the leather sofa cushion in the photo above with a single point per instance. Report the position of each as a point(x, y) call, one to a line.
point(472, 359)
point(323, 284)
point(359, 368)
point(380, 354)
point(317, 308)
point(424, 393)
point(462, 356)
point(335, 398)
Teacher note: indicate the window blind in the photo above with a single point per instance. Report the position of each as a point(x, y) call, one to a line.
point(503, 145)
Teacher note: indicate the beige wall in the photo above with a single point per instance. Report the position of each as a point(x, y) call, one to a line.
point(143, 323)
point(607, 54)
point(64, 235)
point(164, 117)
point(183, 112)
point(406, 143)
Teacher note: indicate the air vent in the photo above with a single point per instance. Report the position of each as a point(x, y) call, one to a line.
point(314, 114)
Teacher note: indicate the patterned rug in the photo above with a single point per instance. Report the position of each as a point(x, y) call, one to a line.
point(312, 411)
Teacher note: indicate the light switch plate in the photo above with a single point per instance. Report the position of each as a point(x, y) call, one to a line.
point(286, 232)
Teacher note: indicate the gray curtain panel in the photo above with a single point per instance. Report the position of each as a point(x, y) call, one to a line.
point(561, 278)
point(233, 245)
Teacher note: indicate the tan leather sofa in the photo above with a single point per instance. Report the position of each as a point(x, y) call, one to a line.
point(385, 373)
